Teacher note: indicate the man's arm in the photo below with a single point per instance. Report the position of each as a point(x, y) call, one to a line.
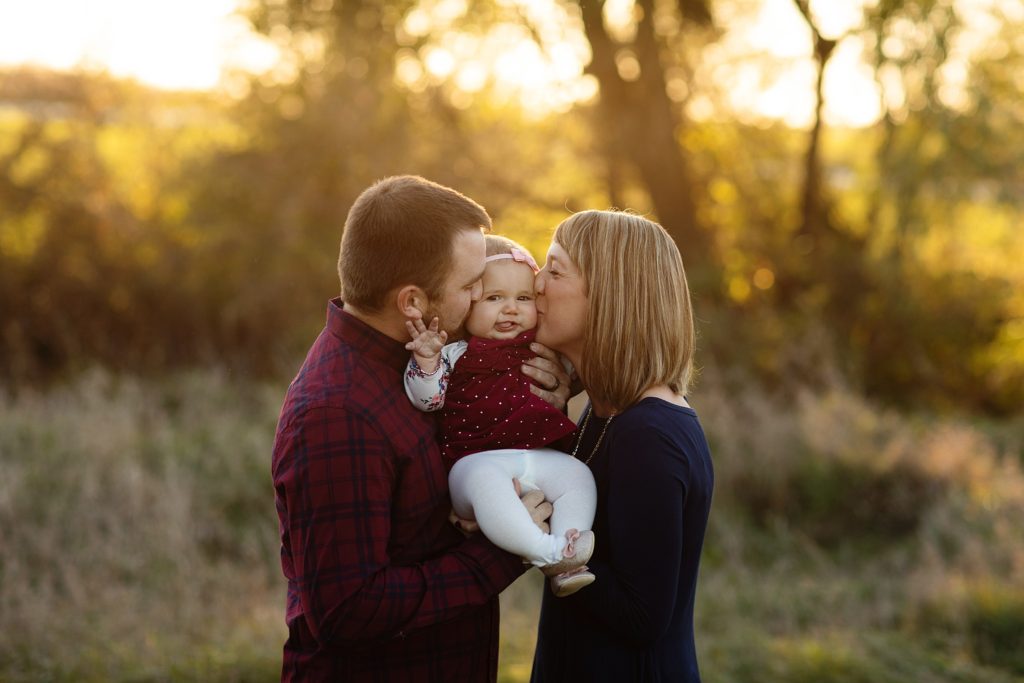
point(337, 478)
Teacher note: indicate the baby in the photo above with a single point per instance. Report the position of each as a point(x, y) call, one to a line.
point(493, 426)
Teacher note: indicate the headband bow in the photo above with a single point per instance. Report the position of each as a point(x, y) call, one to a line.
point(517, 255)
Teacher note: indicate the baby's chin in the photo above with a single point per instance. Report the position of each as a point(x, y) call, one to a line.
point(498, 335)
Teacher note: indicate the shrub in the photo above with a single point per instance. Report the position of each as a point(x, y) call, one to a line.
point(995, 622)
point(840, 470)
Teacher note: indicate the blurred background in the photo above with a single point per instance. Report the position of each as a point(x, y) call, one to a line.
point(844, 180)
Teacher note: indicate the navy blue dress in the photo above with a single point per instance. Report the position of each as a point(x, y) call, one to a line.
point(635, 623)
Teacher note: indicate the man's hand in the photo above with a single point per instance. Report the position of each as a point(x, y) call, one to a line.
point(547, 371)
point(466, 526)
point(426, 343)
point(540, 510)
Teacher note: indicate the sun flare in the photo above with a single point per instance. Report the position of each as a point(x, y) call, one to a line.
point(186, 44)
point(762, 61)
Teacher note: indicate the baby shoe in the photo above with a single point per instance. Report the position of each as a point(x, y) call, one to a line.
point(576, 553)
point(570, 582)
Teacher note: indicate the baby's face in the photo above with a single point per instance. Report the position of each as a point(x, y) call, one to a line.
point(506, 307)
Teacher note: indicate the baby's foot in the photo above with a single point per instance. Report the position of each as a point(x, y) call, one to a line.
point(578, 549)
point(571, 581)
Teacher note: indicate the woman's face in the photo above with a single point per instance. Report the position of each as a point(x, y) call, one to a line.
point(561, 304)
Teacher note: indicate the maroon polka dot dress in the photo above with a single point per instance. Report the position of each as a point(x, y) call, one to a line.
point(489, 404)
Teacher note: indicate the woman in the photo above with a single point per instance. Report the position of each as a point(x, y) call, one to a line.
point(613, 299)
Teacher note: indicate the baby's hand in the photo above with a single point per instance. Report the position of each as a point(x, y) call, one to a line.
point(426, 343)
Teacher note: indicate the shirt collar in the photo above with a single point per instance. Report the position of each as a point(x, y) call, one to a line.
point(364, 338)
point(524, 338)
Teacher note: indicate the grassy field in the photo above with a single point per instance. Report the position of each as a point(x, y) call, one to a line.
point(848, 544)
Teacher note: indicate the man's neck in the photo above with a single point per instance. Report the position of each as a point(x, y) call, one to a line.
point(392, 325)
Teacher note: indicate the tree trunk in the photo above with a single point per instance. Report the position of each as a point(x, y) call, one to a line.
point(813, 201)
point(643, 125)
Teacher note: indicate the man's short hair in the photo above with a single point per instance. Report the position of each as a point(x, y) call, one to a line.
point(400, 231)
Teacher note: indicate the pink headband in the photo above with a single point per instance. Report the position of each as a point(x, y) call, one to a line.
point(517, 255)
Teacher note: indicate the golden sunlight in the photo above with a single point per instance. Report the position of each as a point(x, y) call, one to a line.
point(761, 63)
point(184, 44)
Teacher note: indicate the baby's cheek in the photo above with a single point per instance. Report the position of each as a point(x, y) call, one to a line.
point(529, 313)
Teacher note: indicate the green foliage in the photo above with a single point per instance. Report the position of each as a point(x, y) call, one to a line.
point(146, 231)
point(96, 261)
point(840, 658)
point(985, 617)
point(996, 627)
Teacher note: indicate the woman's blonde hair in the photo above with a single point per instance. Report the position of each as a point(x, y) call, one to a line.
point(639, 326)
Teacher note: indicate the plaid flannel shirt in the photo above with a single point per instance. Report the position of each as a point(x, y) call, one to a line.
point(380, 586)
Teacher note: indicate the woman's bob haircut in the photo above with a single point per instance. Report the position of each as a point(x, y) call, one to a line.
point(639, 327)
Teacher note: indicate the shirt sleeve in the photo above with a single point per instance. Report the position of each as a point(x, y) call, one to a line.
point(427, 391)
point(635, 590)
point(337, 488)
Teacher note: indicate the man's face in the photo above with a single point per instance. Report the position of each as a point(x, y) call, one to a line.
point(462, 286)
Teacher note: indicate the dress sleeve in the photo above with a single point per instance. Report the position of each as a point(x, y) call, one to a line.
point(337, 482)
point(427, 391)
point(635, 591)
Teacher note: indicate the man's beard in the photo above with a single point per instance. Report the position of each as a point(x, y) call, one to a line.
point(455, 332)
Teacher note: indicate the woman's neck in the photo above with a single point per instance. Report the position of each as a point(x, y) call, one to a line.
point(661, 391)
point(602, 409)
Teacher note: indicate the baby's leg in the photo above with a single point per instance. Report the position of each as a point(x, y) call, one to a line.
point(482, 489)
point(568, 484)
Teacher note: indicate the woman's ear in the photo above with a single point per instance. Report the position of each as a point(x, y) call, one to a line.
point(411, 302)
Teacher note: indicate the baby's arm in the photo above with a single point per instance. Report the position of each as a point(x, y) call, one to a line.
point(426, 375)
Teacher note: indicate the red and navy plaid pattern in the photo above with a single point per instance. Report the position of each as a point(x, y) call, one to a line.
point(380, 586)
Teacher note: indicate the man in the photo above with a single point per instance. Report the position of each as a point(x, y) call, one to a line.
point(381, 586)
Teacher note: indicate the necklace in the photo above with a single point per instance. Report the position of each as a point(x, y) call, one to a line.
point(583, 431)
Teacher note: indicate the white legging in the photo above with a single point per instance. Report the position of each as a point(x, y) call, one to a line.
point(482, 489)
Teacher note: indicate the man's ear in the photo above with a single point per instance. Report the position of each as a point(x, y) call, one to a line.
point(411, 302)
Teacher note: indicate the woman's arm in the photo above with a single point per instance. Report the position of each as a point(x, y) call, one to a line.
point(635, 592)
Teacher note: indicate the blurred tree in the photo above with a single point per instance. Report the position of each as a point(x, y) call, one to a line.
point(643, 125)
point(96, 264)
point(887, 253)
point(814, 203)
point(65, 236)
point(951, 136)
point(331, 120)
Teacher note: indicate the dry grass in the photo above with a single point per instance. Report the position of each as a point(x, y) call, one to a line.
point(139, 532)
point(847, 543)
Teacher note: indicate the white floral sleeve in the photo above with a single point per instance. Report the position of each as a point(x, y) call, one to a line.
point(427, 391)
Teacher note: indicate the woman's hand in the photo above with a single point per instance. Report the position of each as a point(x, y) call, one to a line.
point(546, 371)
